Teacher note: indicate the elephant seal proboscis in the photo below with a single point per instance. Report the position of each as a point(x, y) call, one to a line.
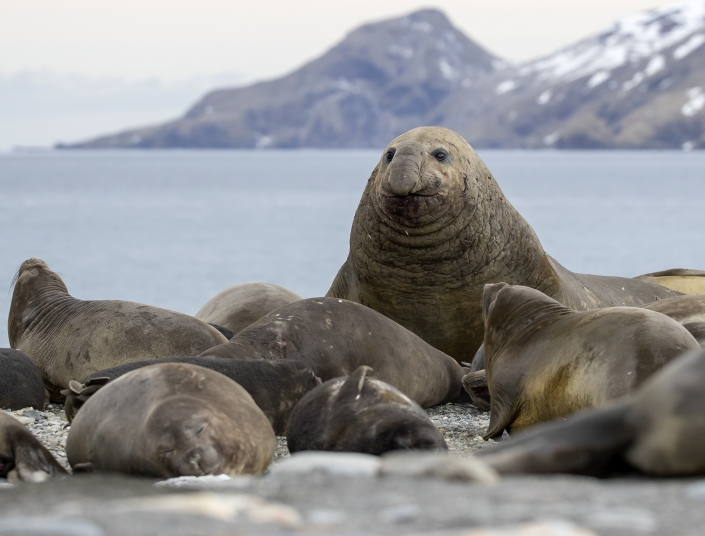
point(433, 227)
point(358, 413)
point(22, 457)
point(67, 338)
point(21, 384)
point(168, 420)
point(660, 431)
point(275, 386)
point(679, 279)
point(335, 337)
point(238, 306)
point(687, 310)
point(544, 360)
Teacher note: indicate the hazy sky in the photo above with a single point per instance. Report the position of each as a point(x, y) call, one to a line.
point(175, 39)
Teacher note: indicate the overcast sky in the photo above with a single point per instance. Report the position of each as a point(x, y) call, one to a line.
point(177, 39)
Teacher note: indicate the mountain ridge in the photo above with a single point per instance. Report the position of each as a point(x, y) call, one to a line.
point(636, 84)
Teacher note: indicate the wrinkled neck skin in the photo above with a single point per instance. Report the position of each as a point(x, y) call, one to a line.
point(37, 292)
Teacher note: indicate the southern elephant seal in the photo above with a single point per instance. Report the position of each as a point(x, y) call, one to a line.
point(660, 430)
point(239, 306)
point(67, 338)
point(358, 413)
point(335, 337)
point(679, 279)
point(21, 384)
point(168, 420)
point(275, 386)
point(433, 227)
point(687, 310)
point(544, 360)
point(22, 457)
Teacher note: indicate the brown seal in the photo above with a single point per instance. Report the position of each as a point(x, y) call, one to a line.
point(21, 384)
point(679, 279)
point(433, 227)
point(275, 386)
point(238, 306)
point(660, 430)
point(358, 413)
point(168, 420)
point(544, 360)
point(68, 339)
point(687, 310)
point(335, 337)
point(22, 457)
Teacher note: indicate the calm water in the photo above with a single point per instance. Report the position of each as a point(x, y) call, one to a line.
point(174, 228)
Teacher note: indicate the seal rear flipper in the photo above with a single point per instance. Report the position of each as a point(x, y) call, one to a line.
point(78, 393)
point(588, 443)
point(33, 463)
point(352, 387)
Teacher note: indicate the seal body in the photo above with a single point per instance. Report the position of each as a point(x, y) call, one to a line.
point(687, 310)
point(239, 306)
point(335, 337)
point(679, 279)
point(660, 431)
point(360, 414)
point(275, 386)
point(433, 227)
point(21, 384)
point(67, 338)
point(168, 420)
point(22, 457)
point(544, 360)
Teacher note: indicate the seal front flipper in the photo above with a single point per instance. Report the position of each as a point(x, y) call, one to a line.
point(352, 388)
point(588, 443)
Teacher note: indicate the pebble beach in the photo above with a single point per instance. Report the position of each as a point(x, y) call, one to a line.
point(461, 425)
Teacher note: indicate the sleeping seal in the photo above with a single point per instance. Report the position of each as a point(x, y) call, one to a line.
point(238, 306)
point(360, 414)
point(20, 382)
point(168, 420)
point(660, 431)
point(22, 457)
point(687, 310)
point(544, 360)
point(67, 338)
point(433, 227)
point(275, 386)
point(335, 337)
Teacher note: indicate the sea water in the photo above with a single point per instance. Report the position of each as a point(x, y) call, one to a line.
point(173, 228)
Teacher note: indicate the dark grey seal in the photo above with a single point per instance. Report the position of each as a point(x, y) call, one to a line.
point(21, 384)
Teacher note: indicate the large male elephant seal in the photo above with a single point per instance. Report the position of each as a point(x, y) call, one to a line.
point(335, 337)
point(659, 431)
point(238, 306)
point(360, 414)
point(67, 338)
point(433, 227)
point(275, 386)
point(544, 360)
point(21, 384)
point(168, 420)
point(22, 457)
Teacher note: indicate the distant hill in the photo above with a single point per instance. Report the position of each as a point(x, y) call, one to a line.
point(381, 80)
point(638, 84)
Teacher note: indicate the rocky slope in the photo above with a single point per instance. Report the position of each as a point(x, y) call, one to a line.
point(381, 80)
point(637, 84)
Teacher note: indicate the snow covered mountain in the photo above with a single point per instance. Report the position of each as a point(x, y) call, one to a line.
point(638, 83)
point(381, 80)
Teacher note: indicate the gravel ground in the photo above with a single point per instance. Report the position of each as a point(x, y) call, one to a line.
point(462, 426)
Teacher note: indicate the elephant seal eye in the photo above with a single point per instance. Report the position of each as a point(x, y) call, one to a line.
point(440, 155)
point(389, 155)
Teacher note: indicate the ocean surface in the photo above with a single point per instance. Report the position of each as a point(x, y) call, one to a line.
point(174, 228)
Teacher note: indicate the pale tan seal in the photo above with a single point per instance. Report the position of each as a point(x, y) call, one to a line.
point(660, 431)
point(679, 279)
point(544, 360)
point(238, 306)
point(433, 227)
point(68, 339)
point(168, 420)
